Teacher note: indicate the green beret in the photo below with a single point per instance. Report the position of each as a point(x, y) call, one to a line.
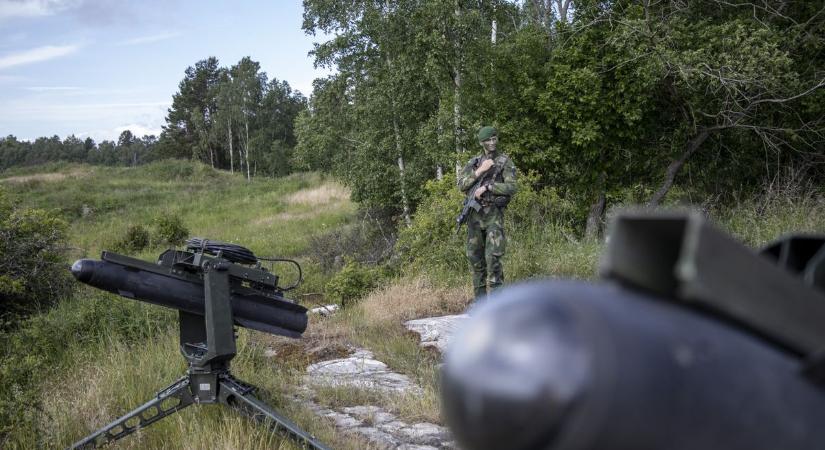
point(486, 133)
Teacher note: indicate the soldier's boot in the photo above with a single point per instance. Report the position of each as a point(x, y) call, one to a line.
point(495, 272)
point(479, 280)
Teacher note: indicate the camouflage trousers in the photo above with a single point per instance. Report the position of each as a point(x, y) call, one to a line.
point(485, 248)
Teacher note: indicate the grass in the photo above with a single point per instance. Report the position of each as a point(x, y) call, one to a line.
point(376, 323)
point(103, 202)
point(96, 356)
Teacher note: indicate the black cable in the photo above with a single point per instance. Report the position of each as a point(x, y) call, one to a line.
point(232, 252)
point(238, 254)
point(300, 273)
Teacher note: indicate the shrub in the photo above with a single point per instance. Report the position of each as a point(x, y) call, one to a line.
point(33, 272)
point(352, 282)
point(135, 240)
point(434, 222)
point(785, 205)
point(536, 223)
point(169, 230)
point(369, 240)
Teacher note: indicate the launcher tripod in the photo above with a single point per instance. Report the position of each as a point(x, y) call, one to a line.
point(207, 341)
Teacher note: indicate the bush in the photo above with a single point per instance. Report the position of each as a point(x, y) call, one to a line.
point(43, 346)
point(135, 240)
point(169, 230)
point(537, 223)
point(434, 222)
point(787, 204)
point(369, 240)
point(33, 272)
point(352, 282)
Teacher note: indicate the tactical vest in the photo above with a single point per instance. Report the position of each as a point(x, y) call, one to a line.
point(488, 198)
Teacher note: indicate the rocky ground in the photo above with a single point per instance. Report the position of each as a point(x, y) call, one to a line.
point(360, 370)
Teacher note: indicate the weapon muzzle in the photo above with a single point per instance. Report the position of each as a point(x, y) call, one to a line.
point(84, 269)
point(518, 368)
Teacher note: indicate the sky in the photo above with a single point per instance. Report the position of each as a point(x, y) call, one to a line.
point(94, 68)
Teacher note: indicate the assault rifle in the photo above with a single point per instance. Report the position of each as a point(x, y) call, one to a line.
point(470, 201)
point(215, 287)
point(691, 341)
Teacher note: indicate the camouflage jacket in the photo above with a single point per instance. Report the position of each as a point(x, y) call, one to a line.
point(504, 183)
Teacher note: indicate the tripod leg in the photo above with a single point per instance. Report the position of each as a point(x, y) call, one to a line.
point(166, 402)
point(239, 396)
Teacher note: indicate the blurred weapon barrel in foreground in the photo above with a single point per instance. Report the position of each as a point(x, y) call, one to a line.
point(177, 281)
point(693, 342)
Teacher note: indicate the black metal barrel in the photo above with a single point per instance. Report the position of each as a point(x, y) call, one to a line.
point(572, 365)
point(161, 286)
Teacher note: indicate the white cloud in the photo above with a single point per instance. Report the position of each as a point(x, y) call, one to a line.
point(33, 8)
point(35, 55)
point(112, 134)
point(10, 78)
point(44, 114)
point(138, 129)
point(52, 88)
point(150, 38)
point(49, 110)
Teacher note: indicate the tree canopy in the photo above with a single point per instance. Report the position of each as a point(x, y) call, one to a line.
point(599, 98)
point(604, 100)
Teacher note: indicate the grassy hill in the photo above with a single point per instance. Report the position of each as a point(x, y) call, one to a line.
point(93, 357)
point(96, 356)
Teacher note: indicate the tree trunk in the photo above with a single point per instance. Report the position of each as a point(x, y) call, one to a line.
point(563, 6)
point(676, 165)
point(231, 153)
point(459, 149)
point(594, 219)
point(404, 203)
point(246, 151)
point(439, 170)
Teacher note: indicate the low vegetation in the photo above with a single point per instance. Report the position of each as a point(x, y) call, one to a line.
point(93, 356)
point(71, 368)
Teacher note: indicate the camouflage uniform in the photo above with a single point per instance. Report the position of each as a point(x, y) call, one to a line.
point(485, 228)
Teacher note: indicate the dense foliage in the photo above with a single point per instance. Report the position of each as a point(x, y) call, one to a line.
point(33, 273)
point(605, 100)
point(233, 118)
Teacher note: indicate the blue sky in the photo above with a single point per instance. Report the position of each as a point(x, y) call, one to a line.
point(97, 67)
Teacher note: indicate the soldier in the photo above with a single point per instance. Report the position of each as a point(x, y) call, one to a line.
point(485, 228)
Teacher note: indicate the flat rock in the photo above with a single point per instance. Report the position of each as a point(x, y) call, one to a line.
point(360, 370)
point(383, 429)
point(326, 310)
point(436, 332)
point(380, 427)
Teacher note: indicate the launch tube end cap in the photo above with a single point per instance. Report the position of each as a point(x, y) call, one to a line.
point(515, 371)
point(83, 270)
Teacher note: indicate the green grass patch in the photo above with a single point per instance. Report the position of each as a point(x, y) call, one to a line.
point(97, 356)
